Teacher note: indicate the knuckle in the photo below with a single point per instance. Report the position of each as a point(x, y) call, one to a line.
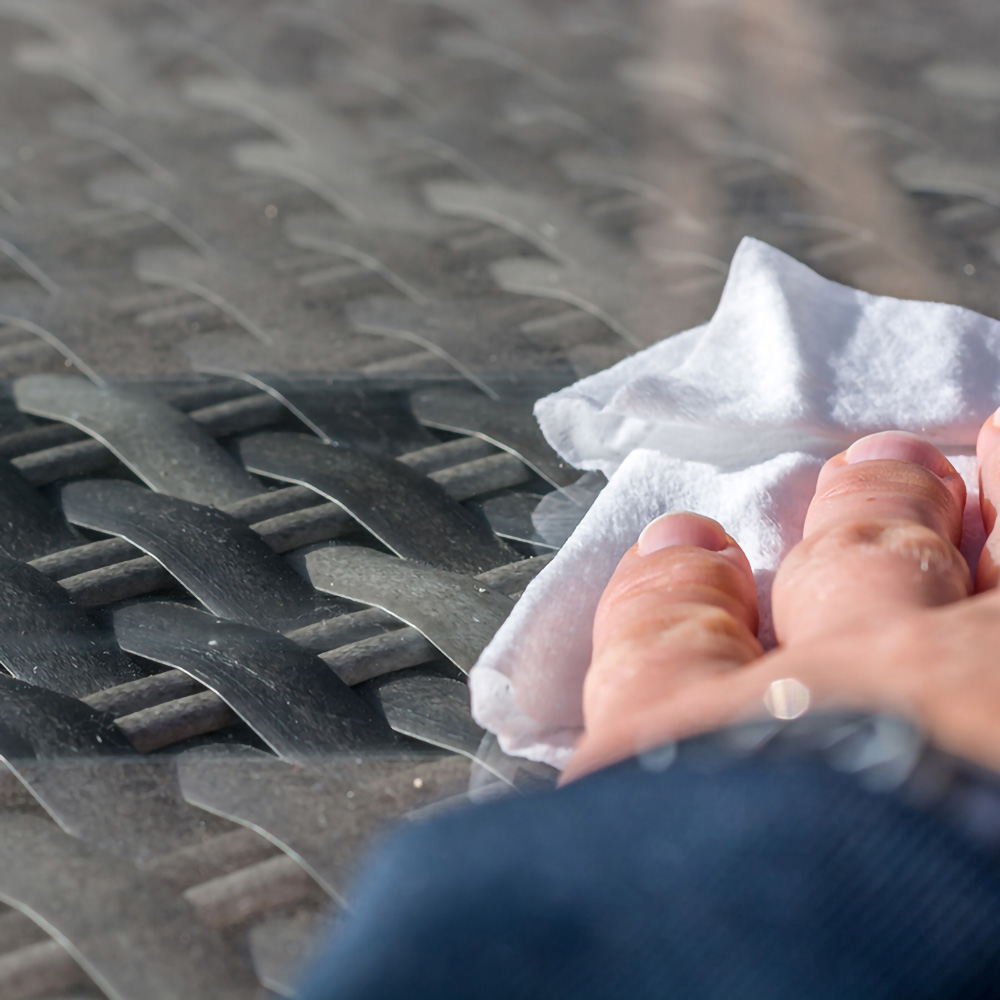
point(907, 542)
point(883, 477)
point(712, 622)
point(672, 570)
point(686, 631)
point(922, 545)
point(892, 489)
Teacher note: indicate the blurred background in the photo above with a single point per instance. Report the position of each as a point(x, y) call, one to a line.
point(572, 176)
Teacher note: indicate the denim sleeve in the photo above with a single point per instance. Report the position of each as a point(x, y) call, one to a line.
point(758, 880)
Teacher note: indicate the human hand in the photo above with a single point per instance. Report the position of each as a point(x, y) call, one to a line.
point(874, 609)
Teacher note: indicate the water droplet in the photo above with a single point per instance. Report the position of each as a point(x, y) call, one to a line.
point(787, 698)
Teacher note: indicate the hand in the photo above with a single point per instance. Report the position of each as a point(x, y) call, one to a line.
point(873, 609)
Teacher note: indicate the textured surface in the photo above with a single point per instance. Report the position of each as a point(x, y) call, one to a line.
point(310, 263)
point(457, 613)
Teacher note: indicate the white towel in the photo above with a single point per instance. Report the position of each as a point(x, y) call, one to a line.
point(733, 420)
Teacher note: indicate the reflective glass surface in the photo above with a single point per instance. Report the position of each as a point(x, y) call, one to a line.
point(280, 282)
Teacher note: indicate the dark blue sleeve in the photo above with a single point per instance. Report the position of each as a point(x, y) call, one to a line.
point(757, 880)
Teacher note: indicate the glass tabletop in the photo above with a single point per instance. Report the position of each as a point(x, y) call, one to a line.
point(280, 283)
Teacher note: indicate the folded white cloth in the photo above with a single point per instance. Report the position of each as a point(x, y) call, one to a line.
point(733, 420)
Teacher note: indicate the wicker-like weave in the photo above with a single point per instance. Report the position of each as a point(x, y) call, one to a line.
point(279, 283)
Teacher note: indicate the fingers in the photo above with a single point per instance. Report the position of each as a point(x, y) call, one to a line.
point(880, 537)
point(681, 605)
point(988, 454)
point(677, 621)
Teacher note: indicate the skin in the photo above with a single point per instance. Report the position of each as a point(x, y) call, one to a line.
point(875, 609)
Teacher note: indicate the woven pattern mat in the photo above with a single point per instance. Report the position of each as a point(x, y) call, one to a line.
point(279, 283)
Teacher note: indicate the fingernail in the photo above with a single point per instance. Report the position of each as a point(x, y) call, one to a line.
point(682, 528)
point(899, 446)
point(995, 419)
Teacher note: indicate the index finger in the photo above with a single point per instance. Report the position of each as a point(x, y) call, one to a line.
point(680, 606)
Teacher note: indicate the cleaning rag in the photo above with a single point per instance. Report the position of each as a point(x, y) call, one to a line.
point(733, 420)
